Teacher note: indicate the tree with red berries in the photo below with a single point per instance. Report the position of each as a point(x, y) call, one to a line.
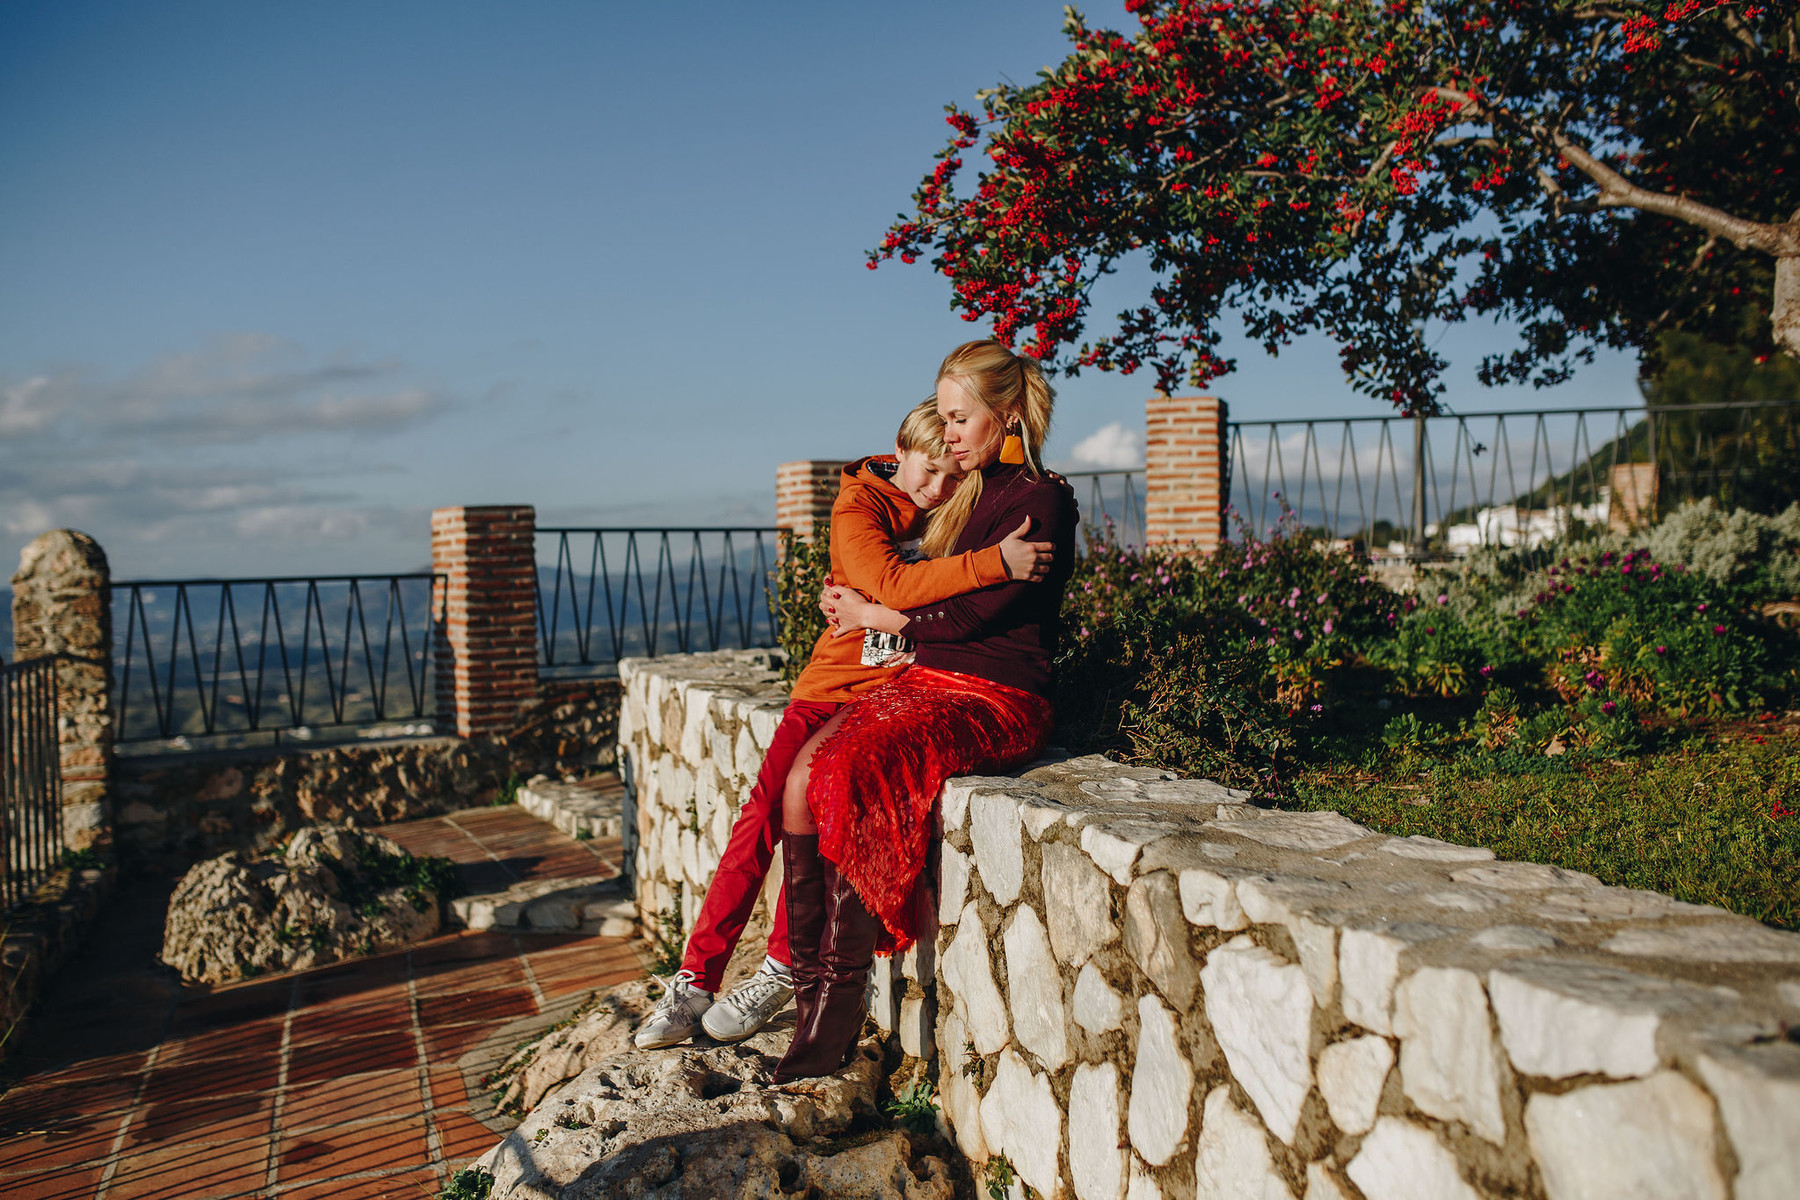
point(1595, 171)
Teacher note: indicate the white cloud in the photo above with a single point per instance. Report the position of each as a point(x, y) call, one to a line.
point(1114, 447)
point(26, 407)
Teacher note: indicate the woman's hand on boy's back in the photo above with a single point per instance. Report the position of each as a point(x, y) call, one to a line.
point(1030, 561)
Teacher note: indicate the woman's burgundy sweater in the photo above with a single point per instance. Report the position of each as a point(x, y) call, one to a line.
point(1006, 632)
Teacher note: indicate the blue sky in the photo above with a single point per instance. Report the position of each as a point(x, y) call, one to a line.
point(278, 279)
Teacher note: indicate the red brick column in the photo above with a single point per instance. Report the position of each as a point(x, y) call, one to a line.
point(1185, 467)
point(487, 665)
point(804, 493)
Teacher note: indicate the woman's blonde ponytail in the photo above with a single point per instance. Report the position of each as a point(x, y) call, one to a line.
point(1009, 386)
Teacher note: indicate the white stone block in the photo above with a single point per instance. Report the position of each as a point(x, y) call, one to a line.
point(915, 1027)
point(1096, 1163)
point(1402, 1161)
point(1523, 877)
point(690, 858)
point(1429, 849)
point(1758, 1092)
point(1260, 1007)
point(1448, 1066)
point(1351, 1076)
point(763, 722)
point(1142, 1185)
point(919, 963)
point(1649, 1139)
point(994, 835)
point(970, 978)
point(1077, 892)
point(1368, 967)
point(1040, 815)
point(1210, 899)
point(1035, 987)
point(953, 883)
point(1020, 1118)
point(1156, 937)
point(882, 997)
point(1567, 1018)
point(1311, 831)
point(1097, 1008)
point(1513, 939)
point(1115, 846)
point(1233, 1160)
point(694, 728)
point(746, 758)
point(1738, 941)
point(957, 1091)
point(1162, 1083)
point(1321, 1184)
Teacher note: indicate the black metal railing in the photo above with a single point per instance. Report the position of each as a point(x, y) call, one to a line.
point(31, 836)
point(607, 594)
point(226, 658)
point(1112, 504)
point(1451, 483)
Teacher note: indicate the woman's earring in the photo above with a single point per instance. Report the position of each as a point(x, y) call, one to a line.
point(1012, 450)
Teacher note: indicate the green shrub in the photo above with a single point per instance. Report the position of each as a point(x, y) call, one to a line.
point(800, 575)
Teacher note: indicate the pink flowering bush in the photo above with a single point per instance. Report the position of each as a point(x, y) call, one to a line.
point(1622, 628)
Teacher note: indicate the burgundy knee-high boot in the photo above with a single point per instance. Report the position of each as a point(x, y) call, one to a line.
point(803, 883)
point(825, 1035)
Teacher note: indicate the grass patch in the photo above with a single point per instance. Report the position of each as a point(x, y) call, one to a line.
point(1710, 821)
point(470, 1183)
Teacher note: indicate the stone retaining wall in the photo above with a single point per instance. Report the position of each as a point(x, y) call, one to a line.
point(1144, 987)
point(173, 810)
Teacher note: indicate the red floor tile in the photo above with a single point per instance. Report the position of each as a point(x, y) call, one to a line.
point(203, 1119)
point(351, 1056)
point(404, 1185)
point(447, 1087)
point(491, 1005)
point(447, 1043)
point(192, 1172)
point(323, 1153)
point(462, 1137)
point(62, 1183)
point(218, 1077)
point(331, 1021)
point(61, 1141)
point(232, 1041)
point(435, 979)
point(373, 1096)
point(34, 1105)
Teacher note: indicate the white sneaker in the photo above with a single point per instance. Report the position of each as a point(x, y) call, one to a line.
point(676, 1017)
point(750, 1005)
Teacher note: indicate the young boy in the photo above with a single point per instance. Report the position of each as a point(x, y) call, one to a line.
point(876, 524)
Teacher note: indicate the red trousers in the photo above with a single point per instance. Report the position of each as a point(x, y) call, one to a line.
point(747, 855)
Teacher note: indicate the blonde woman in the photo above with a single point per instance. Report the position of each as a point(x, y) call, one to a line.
point(857, 809)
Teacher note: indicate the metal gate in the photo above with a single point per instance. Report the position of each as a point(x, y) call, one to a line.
point(31, 839)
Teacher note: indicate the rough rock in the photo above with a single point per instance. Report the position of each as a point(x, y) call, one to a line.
point(1096, 1161)
point(600, 1029)
point(1401, 1161)
point(316, 902)
point(1097, 1007)
point(1233, 1161)
point(1758, 1090)
point(1162, 1082)
point(1076, 891)
point(694, 1123)
point(1447, 1060)
point(1260, 1007)
point(1649, 1139)
point(1351, 1075)
point(1156, 937)
point(1035, 985)
point(1565, 1019)
point(994, 832)
point(1020, 1119)
point(966, 969)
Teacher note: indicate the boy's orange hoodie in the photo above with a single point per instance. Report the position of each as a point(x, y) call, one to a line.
point(874, 525)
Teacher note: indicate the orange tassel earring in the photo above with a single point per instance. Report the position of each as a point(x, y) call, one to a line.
point(1012, 450)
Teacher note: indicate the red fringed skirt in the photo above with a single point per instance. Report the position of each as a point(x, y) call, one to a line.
point(876, 780)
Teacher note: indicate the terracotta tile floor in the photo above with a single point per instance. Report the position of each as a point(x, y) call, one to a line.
point(341, 1081)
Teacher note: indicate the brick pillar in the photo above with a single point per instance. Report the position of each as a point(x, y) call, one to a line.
point(62, 608)
point(1186, 469)
point(804, 493)
point(487, 665)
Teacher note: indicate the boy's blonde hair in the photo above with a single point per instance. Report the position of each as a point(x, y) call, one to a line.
point(923, 431)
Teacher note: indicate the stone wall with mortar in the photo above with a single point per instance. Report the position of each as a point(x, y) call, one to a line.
point(173, 810)
point(1144, 988)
